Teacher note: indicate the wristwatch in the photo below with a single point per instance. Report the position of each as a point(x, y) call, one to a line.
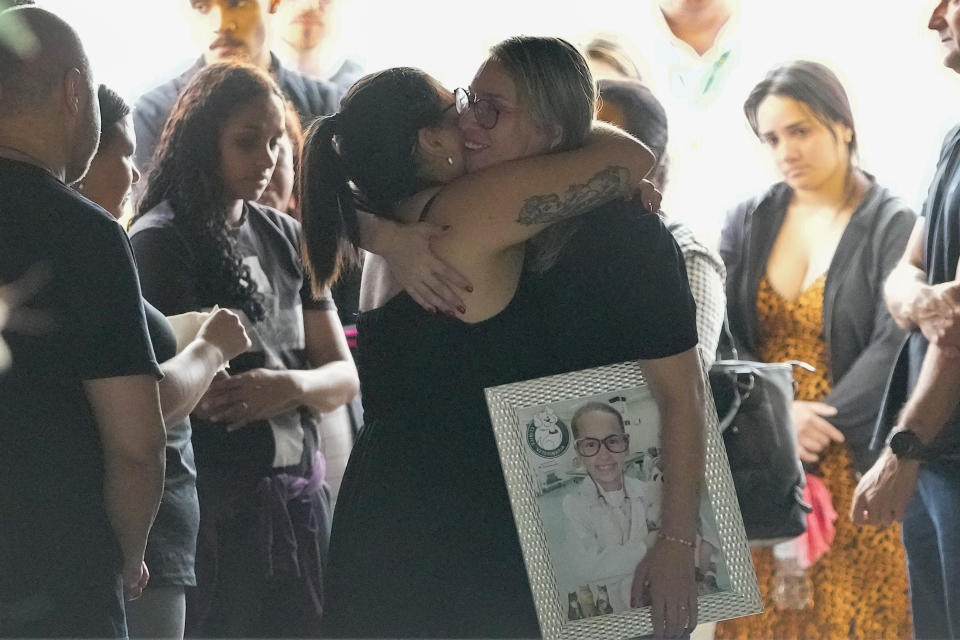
point(906, 444)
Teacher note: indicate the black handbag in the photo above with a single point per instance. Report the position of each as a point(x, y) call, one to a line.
point(753, 401)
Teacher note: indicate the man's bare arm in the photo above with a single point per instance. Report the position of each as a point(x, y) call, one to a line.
point(936, 395)
point(127, 412)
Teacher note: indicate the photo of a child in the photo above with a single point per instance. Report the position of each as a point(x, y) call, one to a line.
point(606, 514)
point(600, 500)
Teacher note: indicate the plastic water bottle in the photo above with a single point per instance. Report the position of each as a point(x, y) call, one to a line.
point(792, 587)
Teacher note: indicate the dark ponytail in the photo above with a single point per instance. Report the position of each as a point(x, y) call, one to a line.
point(329, 216)
point(367, 151)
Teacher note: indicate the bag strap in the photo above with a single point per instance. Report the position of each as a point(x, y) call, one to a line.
point(726, 341)
point(727, 419)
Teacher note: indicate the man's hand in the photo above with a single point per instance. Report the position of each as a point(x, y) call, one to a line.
point(665, 579)
point(884, 491)
point(937, 315)
point(814, 432)
point(135, 579)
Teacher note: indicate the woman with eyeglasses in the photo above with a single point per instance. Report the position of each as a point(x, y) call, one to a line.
point(423, 514)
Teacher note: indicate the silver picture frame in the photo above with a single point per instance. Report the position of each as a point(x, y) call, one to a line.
point(530, 421)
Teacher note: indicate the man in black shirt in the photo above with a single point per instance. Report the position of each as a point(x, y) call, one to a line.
point(917, 477)
point(81, 434)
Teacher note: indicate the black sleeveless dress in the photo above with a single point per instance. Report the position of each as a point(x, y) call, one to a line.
point(423, 541)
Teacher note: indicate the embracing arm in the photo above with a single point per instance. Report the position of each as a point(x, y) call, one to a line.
point(507, 204)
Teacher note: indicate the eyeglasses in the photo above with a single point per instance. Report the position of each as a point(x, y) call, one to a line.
point(486, 113)
point(615, 443)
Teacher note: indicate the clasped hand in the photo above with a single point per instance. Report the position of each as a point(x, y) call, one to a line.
point(938, 316)
point(241, 399)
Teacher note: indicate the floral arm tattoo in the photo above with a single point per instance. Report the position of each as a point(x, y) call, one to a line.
point(603, 187)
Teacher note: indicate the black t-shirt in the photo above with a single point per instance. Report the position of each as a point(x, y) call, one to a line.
point(172, 546)
point(269, 242)
point(617, 292)
point(53, 525)
point(940, 255)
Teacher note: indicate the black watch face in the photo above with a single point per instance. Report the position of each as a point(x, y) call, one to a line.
point(905, 445)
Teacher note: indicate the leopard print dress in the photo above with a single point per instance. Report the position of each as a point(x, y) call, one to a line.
point(860, 585)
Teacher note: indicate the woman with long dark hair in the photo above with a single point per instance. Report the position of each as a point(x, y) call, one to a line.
point(201, 240)
point(806, 262)
point(423, 510)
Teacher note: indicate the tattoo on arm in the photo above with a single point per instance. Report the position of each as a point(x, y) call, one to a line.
point(608, 184)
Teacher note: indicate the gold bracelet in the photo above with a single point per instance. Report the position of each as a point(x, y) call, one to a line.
point(686, 543)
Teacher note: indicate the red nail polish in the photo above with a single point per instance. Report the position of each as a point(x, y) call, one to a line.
point(469, 289)
point(445, 227)
point(461, 308)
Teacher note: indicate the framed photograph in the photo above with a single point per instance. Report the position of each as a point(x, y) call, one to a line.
point(581, 456)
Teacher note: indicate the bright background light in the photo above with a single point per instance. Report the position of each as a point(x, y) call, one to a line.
point(904, 100)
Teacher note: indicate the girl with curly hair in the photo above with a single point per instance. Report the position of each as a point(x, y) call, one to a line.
point(201, 240)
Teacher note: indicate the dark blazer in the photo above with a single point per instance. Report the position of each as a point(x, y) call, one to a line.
point(862, 338)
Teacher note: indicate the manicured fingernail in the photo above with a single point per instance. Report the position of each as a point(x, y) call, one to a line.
point(469, 289)
point(445, 227)
point(461, 308)
point(450, 313)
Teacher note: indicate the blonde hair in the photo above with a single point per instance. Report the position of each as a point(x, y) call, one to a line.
point(554, 83)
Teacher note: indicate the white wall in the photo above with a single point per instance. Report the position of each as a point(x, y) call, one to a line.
point(904, 100)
